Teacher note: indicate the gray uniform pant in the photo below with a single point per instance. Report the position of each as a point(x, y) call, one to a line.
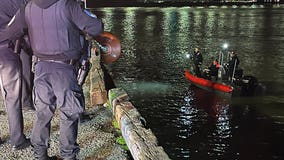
point(55, 85)
point(27, 80)
point(10, 75)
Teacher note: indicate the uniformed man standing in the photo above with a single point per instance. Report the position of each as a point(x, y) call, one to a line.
point(54, 28)
point(11, 78)
point(197, 60)
point(233, 64)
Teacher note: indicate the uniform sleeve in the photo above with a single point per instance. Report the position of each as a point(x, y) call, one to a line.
point(200, 59)
point(92, 26)
point(16, 27)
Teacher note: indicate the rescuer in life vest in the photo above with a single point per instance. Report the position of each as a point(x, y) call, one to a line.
point(211, 72)
point(214, 70)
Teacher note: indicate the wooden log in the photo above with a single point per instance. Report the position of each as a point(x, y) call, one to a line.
point(141, 142)
point(98, 93)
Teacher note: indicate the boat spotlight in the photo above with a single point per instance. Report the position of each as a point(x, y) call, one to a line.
point(187, 56)
point(225, 46)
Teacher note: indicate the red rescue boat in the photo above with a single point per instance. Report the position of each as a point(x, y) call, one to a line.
point(207, 84)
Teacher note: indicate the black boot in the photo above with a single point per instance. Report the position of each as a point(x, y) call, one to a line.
point(23, 145)
point(42, 155)
point(45, 157)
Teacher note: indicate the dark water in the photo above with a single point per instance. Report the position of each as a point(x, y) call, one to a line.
point(191, 123)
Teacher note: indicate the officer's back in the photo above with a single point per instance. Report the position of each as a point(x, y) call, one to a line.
point(54, 28)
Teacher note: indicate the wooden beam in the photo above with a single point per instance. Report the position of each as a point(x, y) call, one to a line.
point(141, 142)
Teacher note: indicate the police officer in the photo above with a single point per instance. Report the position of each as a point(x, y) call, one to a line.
point(54, 28)
point(233, 64)
point(197, 60)
point(11, 79)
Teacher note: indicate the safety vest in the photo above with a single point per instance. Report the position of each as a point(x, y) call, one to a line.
point(52, 34)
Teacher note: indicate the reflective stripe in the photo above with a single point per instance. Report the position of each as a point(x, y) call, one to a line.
point(89, 13)
point(12, 20)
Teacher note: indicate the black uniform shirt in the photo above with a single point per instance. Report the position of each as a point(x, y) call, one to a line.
point(18, 26)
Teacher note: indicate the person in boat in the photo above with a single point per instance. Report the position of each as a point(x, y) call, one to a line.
point(211, 73)
point(197, 60)
point(233, 64)
point(214, 70)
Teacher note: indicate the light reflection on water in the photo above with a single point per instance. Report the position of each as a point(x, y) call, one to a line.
point(191, 123)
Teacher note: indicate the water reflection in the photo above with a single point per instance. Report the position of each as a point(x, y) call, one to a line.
point(217, 110)
point(198, 125)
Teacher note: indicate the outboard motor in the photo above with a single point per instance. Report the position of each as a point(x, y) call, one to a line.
point(238, 73)
point(249, 83)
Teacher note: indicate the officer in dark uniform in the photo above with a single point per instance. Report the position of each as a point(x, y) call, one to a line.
point(233, 64)
point(54, 28)
point(11, 78)
point(197, 60)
